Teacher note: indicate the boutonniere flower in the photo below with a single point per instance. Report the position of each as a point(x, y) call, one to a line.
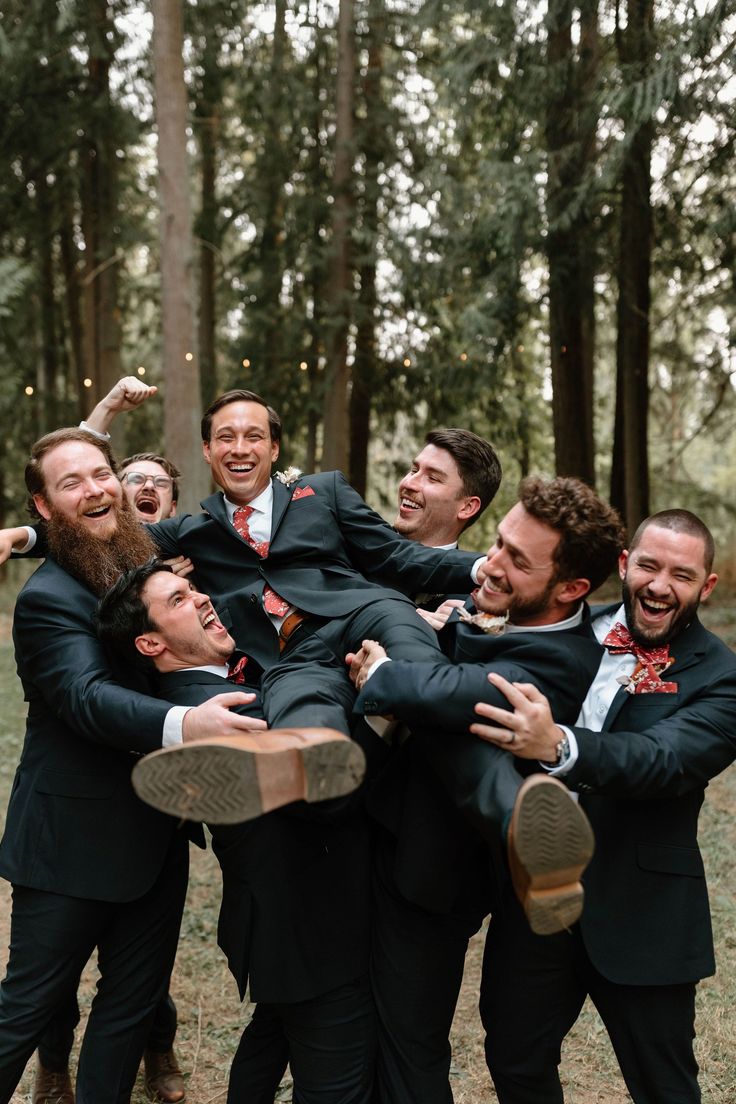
point(486, 622)
point(289, 476)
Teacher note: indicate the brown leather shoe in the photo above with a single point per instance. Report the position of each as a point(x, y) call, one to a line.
point(228, 779)
point(51, 1087)
point(550, 843)
point(163, 1079)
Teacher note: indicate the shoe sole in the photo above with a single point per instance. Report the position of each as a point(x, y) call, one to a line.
point(554, 843)
point(227, 785)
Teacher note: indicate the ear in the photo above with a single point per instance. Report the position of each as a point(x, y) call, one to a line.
point(172, 511)
point(206, 451)
point(573, 591)
point(622, 562)
point(708, 586)
point(42, 506)
point(274, 451)
point(469, 508)
point(149, 644)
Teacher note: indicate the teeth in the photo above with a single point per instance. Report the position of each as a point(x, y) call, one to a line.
point(408, 504)
point(208, 619)
point(655, 605)
point(240, 467)
point(96, 512)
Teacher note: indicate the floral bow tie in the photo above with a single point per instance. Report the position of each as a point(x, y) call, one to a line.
point(651, 663)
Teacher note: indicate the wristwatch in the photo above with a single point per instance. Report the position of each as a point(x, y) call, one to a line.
point(563, 750)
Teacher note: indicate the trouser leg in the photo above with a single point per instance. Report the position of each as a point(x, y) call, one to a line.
point(260, 1060)
point(136, 952)
point(308, 688)
point(531, 994)
point(332, 1045)
point(51, 939)
point(652, 1028)
point(417, 966)
point(163, 1026)
point(55, 1045)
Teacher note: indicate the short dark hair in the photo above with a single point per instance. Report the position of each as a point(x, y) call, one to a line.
point(476, 460)
point(122, 615)
point(153, 458)
point(274, 421)
point(592, 535)
point(680, 521)
point(34, 476)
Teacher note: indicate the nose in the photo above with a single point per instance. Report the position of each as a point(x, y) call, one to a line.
point(149, 479)
point(93, 489)
point(410, 481)
point(200, 598)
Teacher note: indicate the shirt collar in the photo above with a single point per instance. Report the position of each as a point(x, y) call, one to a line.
point(603, 624)
point(569, 623)
point(262, 503)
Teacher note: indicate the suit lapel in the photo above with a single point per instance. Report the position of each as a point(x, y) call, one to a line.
point(281, 499)
point(215, 507)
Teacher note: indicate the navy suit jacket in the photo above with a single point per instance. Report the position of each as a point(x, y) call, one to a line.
point(74, 825)
point(642, 782)
point(294, 919)
point(324, 539)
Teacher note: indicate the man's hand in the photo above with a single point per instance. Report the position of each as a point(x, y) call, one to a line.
point(438, 618)
point(128, 392)
point(180, 565)
point(361, 662)
point(12, 540)
point(213, 718)
point(529, 731)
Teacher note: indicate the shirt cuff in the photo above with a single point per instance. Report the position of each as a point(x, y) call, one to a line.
point(474, 568)
point(566, 767)
point(375, 665)
point(94, 432)
point(174, 725)
point(30, 543)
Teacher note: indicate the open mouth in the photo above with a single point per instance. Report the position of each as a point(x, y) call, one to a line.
point(211, 623)
point(147, 506)
point(240, 469)
point(98, 512)
point(409, 505)
point(653, 609)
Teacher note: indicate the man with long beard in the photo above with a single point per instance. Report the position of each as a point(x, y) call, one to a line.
point(91, 865)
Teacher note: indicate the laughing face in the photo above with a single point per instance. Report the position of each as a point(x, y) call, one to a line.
point(80, 485)
point(149, 490)
point(519, 574)
point(433, 506)
point(240, 451)
point(188, 631)
point(664, 580)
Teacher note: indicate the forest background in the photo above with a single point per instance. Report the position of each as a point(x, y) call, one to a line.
point(382, 215)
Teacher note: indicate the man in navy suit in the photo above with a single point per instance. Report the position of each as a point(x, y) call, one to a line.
point(295, 906)
point(435, 875)
point(91, 865)
point(656, 725)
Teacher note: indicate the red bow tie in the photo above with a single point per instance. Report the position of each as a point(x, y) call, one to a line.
point(236, 669)
point(651, 662)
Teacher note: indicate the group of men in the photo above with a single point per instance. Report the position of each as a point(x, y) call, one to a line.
point(348, 914)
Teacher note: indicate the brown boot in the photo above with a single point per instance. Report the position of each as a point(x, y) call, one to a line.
point(228, 779)
point(550, 842)
point(163, 1078)
point(52, 1087)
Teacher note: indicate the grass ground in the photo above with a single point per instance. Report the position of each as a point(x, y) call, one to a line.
point(211, 1018)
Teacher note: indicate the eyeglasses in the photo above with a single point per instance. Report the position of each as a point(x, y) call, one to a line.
point(138, 479)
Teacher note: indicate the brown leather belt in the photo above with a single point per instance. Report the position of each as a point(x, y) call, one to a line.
point(289, 626)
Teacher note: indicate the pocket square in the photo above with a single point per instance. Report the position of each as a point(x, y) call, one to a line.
point(301, 492)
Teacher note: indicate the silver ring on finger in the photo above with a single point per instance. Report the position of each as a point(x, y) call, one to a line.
point(512, 737)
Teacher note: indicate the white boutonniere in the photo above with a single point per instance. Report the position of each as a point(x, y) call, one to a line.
point(289, 476)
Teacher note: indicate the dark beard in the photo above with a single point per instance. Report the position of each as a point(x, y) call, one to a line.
point(679, 623)
point(98, 563)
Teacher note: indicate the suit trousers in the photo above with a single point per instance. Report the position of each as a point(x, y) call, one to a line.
point(417, 962)
point(310, 685)
point(51, 939)
point(56, 1044)
point(532, 991)
point(330, 1041)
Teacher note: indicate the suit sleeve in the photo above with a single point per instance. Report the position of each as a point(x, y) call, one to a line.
point(378, 551)
point(61, 661)
point(165, 535)
point(443, 696)
point(667, 758)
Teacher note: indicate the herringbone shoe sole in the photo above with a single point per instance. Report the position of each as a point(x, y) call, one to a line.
point(550, 844)
point(235, 779)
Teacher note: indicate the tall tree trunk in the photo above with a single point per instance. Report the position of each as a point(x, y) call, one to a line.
point(630, 465)
point(181, 369)
point(569, 246)
point(102, 333)
point(337, 372)
point(70, 271)
point(208, 117)
point(365, 368)
point(49, 363)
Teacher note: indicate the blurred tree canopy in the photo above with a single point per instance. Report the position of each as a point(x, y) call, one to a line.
point(518, 218)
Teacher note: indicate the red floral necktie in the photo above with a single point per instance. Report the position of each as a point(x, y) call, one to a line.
point(651, 662)
point(272, 602)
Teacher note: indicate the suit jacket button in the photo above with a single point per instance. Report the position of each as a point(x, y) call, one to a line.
point(254, 598)
point(370, 706)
